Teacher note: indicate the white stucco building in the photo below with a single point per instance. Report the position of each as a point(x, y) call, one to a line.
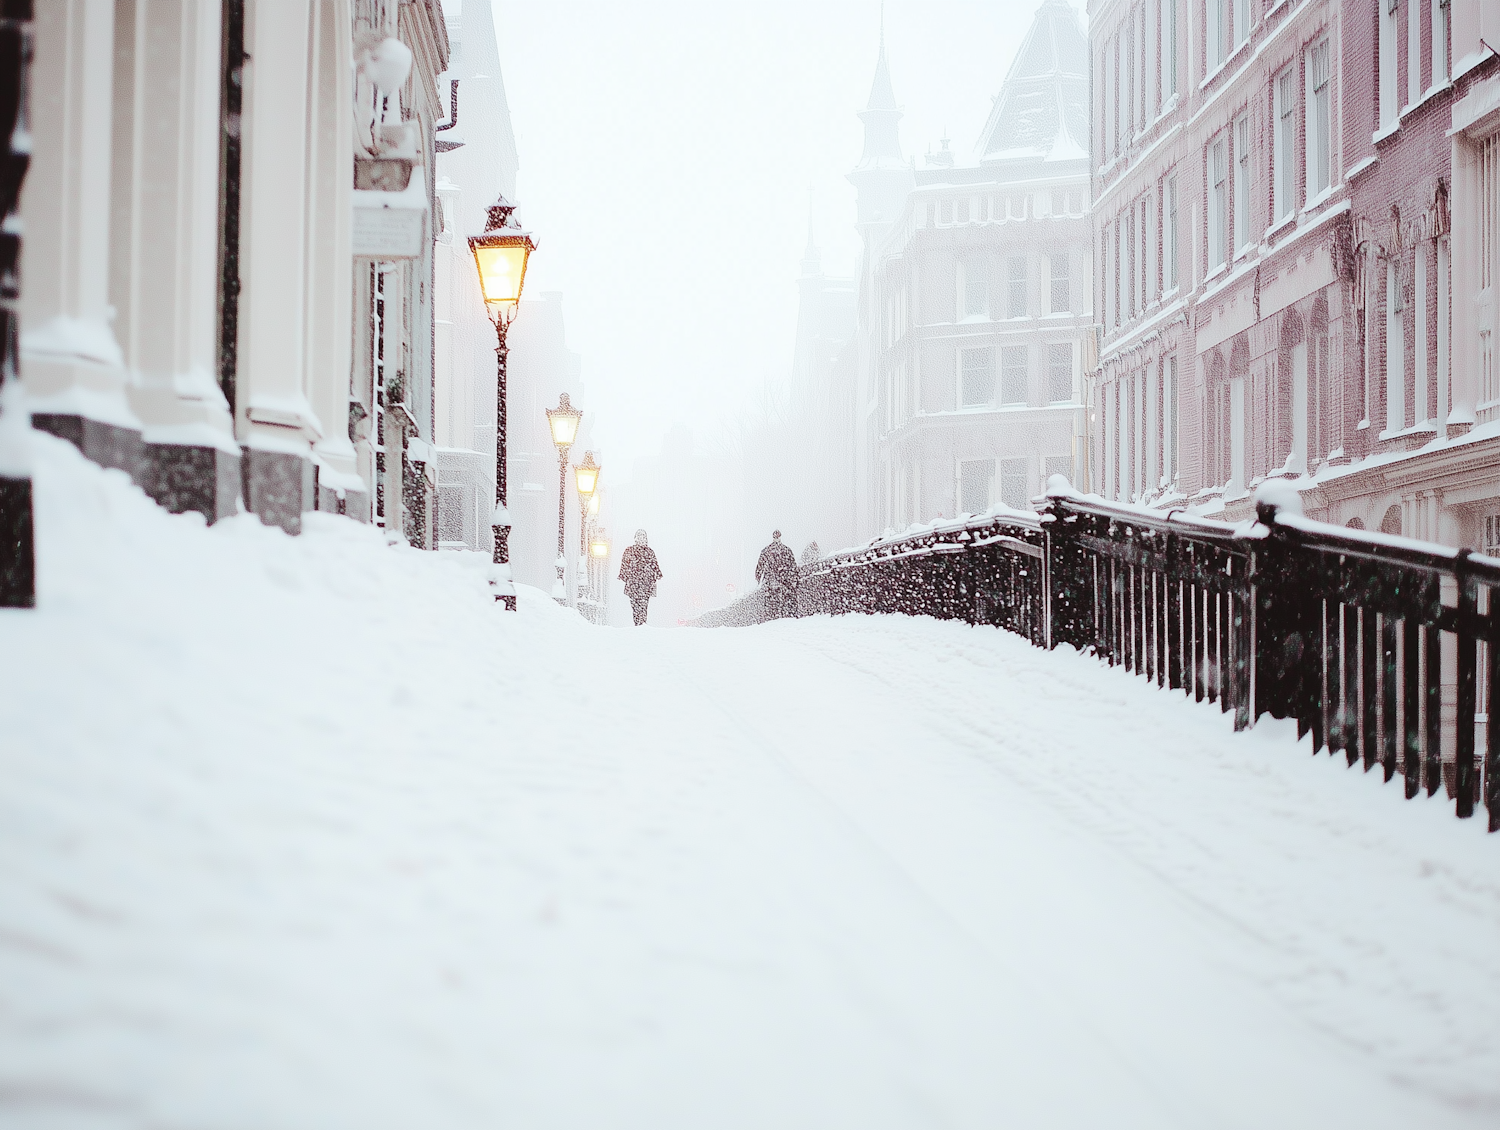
point(974, 296)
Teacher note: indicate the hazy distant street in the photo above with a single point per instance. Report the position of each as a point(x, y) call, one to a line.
point(860, 872)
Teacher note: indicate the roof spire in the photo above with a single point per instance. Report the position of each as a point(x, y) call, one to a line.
point(882, 96)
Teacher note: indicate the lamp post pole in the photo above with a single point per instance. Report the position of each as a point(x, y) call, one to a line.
point(563, 421)
point(560, 592)
point(500, 256)
point(501, 518)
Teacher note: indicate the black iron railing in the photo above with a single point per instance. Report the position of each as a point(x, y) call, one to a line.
point(1384, 649)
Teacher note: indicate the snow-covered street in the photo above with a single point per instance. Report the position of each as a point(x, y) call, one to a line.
point(308, 833)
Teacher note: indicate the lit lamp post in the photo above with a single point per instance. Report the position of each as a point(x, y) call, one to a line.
point(599, 557)
point(500, 256)
point(586, 479)
point(563, 420)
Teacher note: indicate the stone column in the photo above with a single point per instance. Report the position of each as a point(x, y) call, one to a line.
point(73, 370)
point(274, 419)
point(330, 262)
point(163, 260)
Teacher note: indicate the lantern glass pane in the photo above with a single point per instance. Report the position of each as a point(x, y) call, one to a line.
point(564, 426)
point(587, 476)
point(501, 269)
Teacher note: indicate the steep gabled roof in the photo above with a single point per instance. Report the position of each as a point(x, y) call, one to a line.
point(1041, 113)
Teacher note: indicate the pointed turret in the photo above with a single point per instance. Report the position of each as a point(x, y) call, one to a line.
point(882, 176)
point(880, 116)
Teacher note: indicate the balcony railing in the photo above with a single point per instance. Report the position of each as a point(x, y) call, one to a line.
point(1377, 646)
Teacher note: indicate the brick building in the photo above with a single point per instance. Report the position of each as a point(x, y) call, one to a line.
point(1419, 154)
point(1280, 287)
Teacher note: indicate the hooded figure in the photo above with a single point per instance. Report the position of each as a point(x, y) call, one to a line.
point(640, 572)
point(777, 570)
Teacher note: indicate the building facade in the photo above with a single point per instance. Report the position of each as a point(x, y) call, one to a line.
point(1275, 203)
point(228, 251)
point(974, 296)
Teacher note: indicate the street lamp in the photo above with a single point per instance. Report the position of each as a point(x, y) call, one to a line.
point(586, 479)
point(599, 560)
point(500, 257)
point(563, 420)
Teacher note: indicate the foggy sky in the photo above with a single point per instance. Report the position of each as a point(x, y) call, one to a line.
point(667, 151)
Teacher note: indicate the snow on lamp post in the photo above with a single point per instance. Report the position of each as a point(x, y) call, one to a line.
point(500, 256)
point(563, 420)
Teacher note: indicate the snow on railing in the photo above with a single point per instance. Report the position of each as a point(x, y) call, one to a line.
point(1383, 648)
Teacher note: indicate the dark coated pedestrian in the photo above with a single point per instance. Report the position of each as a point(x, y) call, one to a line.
point(777, 572)
point(640, 572)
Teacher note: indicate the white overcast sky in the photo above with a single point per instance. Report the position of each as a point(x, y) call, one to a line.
point(667, 152)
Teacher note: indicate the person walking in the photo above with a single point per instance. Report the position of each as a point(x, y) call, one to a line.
point(777, 571)
point(640, 572)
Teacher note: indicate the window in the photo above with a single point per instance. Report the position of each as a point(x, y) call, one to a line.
point(1140, 255)
point(1486, 156)
point(1119, 280)
point(1168, 49)
point(1241, 21)
point(1171, 240)
point(976, 377)
point(1439, 42)
point(1242, 182)
point(1127, 263)
point(1387, 73)
point(984, 208)
point(963, 211)
point(1015, 273)
point(976, 482)
point(1395, 349)
point(1132, 123)
point(1109, 102)
point(1057, 266)
point(1285, 144)
point(1318, 121)
point(1013, 490)
point(975, 293)
point(1413, 52)
point(1216, 12)
point(1013, 375)
point(1060, 465)
point(947, 211)
point(1218, 200)
point(1120, 135)
point(1169, 421)
point(1106, 242)
point(1060, 372)
point(1142, 98)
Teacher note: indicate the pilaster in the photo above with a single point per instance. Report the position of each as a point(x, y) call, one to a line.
point(72, 366)
point(163, 258)
point(275, 421)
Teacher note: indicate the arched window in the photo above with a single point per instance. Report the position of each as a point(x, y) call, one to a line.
point(1391, 523)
